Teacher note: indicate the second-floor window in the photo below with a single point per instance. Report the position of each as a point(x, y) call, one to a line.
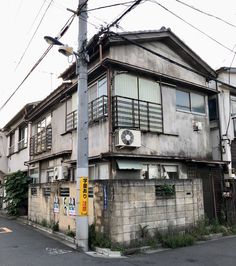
point(11, 148)
point(137, 103)
point(41, 141)
point(190, 102)
point(22, 141)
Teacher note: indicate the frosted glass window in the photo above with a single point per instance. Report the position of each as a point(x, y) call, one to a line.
point(102, 87)
point(233, 107)
point(182, 100)
point(149, 91)
point(126, 86)
point(92, 92)
point(197, 103)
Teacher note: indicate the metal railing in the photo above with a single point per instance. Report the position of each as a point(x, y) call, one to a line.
point(97, 109)
point(22, 144)
point(132, 113)
point(71, 121)
point(41, 141)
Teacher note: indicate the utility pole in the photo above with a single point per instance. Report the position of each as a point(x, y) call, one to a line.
point(82, 132)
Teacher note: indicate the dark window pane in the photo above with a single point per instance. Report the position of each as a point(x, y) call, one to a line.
point(182, 100)
point(197, 103)
point(212, 109)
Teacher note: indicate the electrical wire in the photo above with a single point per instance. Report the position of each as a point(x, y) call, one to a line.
point(61, 33)
point(158, 54)
point(37, 15)
point(31, 39)
point(107, 6)
point(205, 13)
point(191, 25)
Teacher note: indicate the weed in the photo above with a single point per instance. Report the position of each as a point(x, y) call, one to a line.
point(44, 223)
point(55, 226)
point(177, 240)
point(70, 233)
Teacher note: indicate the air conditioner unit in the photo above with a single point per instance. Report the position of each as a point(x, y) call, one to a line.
point(128, 138)
point(60, 173)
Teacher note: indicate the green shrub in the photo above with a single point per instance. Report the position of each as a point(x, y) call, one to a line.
point(44, 223)
point(177, 240)
point(55, 226)
point(16, 186)
point(98, 239)
point(70, 233)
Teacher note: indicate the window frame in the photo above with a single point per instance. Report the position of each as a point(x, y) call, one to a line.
point(178, 108)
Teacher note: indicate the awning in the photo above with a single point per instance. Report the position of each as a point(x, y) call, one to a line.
point(129, 165)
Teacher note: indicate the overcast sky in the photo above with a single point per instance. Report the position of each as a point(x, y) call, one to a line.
point(19, 20)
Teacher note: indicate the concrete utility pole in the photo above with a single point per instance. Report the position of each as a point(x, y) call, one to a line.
point(82, 129)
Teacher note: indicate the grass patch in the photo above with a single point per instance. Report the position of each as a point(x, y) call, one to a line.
point(177, 240)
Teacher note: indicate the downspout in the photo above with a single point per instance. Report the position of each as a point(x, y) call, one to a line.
point(219, 115)
point(109, 103)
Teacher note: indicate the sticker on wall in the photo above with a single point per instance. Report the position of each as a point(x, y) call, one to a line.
point(72, 207)
point(56, 208)
point(65, 206)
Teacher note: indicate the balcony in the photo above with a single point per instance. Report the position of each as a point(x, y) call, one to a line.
point(71, 121)
point(97, 109)
point(132, 113)
point(11, 150)
point(41, 142)
point(22, 144)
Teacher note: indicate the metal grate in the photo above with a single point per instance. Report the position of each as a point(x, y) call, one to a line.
point(47, 191)
point(33, 191)
point(97, 109)
point(64, 192)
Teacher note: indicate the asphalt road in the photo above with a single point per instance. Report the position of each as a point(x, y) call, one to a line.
point(20, 245)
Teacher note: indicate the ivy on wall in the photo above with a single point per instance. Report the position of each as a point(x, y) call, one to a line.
point(16, 186)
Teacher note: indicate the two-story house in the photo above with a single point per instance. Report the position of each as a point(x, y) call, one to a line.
point(148, 118)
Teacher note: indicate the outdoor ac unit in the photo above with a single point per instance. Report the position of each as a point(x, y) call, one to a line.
point(128, 138)
point(60, 173)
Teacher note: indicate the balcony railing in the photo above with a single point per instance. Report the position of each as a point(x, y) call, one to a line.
point(97, 109)
point(41, 141)
point(132, 113)
point(11, 149)
point(71, 121)
point(22, 144)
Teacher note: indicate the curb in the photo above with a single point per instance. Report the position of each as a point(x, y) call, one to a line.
point(60, 237)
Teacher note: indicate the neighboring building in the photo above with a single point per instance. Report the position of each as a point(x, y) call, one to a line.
point(17, 133)
point(148, 119)
point(3, 164)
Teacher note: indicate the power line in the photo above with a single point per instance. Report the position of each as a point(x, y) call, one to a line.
point(205, 13)
point(191, 25)
point(37, 15)
point(61, 33)
point(107, 6)
point(31, 39)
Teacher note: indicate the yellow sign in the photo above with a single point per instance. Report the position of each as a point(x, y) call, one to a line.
point(83, 204)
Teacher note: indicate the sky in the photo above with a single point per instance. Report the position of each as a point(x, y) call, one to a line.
point(24, 23)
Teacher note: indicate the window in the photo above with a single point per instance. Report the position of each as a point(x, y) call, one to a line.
point(159, 171)
point(22, 141)
point(190, 101)
point(134, 87)
point(233, 105)
point(213, 110)
point(98, 89)
point(11, 143)
point(169, 171)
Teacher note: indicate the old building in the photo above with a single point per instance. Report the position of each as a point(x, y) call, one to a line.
point(148, 119)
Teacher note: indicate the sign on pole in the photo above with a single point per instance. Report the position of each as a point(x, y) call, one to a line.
point(83, 206)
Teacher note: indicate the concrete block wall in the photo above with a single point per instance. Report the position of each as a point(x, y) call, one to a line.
point(122, 206)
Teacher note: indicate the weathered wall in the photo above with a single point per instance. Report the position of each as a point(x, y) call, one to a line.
point(42, 207)
point(131, 55)
point(128, 204)
point(3, 152)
